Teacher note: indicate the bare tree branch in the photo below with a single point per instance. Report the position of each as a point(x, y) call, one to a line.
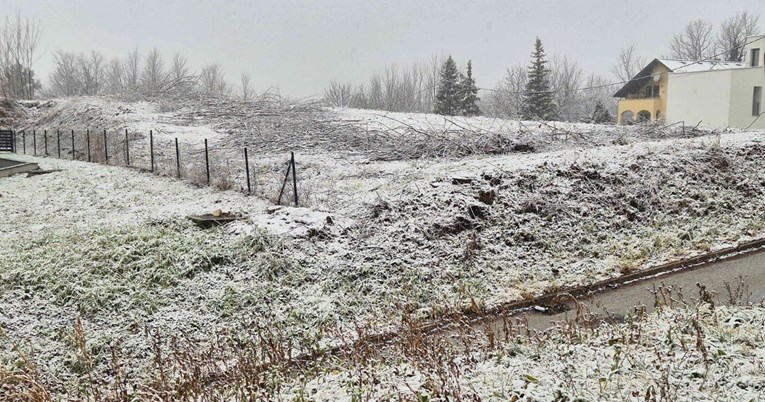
point(695, 42)
point(733, 32)
point(246, 89)
point(629, 64)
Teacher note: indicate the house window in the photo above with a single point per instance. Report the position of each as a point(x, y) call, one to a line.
point(754, 61)
point(756, 100)
point(643, 116)
point(651, 91)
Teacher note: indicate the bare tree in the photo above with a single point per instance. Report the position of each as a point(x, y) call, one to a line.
point(65, 79)
point(337, 94)
point(180, 79)
point(246, 89)
point(132, 68)
point(179, 69)
point(434, 77)
point(19, 39)
point(628, 65)
point(398, 89)
point(565, 81)
point(506, 99)
point(212, 80)
point(733, 33)
point(596, 89)
point(115, 76)
point(91, 72)
point(153, 76)
point(359, 98)
point(695, 42)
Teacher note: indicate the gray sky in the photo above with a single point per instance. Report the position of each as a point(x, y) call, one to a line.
point(300, 46)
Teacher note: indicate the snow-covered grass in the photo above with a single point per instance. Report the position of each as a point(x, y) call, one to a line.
point(676, 354)
point(380, 150)
point(111, 247)
point(99, 113)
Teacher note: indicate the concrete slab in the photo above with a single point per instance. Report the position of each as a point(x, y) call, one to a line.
point(10, 167)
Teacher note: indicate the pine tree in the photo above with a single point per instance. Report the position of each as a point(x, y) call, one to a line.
point(600, 114)
point(537, 98)
point(447, 97)
point(469, 93)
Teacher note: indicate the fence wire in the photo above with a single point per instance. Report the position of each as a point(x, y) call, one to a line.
point(202, 164)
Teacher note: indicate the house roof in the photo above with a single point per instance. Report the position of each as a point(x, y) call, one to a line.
point(675, 66)
point(686, 66)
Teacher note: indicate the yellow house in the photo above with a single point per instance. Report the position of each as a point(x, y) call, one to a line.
point(644, 98)
point(715, 94)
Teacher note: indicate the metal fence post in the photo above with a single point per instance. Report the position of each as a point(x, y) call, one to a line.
point(284, 183)
point(106, 148)
point(87, 134)
point(294, 178)
point(72, 144)
point(151, 149)
point(58, 142)
point(127, 149)
point(207, 162)
point(247, 170)
point(177, 158)
point(24, 142)
point(45, 136)
point(34, 141)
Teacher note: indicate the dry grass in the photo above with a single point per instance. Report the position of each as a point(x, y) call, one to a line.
point(270, 362)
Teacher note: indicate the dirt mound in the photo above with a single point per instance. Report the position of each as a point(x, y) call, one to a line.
point(573, 222)
point(81, 113)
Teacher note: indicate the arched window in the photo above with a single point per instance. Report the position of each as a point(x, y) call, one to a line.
point(643, 116)
point(628, 117)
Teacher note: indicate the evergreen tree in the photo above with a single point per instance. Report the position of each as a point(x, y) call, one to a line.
point(469, 93)
point(19, 82)
point(447, 96)
point(537, 98)
point(600, 114)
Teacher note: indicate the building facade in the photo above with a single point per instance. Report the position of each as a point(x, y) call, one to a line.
point(715, 94)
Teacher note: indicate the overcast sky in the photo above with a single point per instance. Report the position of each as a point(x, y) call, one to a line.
point(300, 46)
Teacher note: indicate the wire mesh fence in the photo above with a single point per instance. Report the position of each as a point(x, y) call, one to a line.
point(225, 168)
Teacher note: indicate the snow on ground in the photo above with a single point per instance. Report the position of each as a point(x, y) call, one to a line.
point(378, 120)
point(383, 150)
point(85, 195)
point(112, 246)
point(99, 113)
point(684, 354)
point(374, 237)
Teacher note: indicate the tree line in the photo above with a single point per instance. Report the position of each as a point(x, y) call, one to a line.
point(700, 40)
point(136, 73)
point(554, 89)
point(397, 89)
point(549, 89)
point(437, 85)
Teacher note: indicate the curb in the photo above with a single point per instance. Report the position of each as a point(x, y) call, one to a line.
point(472, 317)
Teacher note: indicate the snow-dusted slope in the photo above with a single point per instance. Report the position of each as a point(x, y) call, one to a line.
point(375, 238)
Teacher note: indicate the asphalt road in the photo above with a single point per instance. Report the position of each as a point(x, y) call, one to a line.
point(744, 275)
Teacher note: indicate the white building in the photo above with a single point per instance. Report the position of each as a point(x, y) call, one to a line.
point(717, 94)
